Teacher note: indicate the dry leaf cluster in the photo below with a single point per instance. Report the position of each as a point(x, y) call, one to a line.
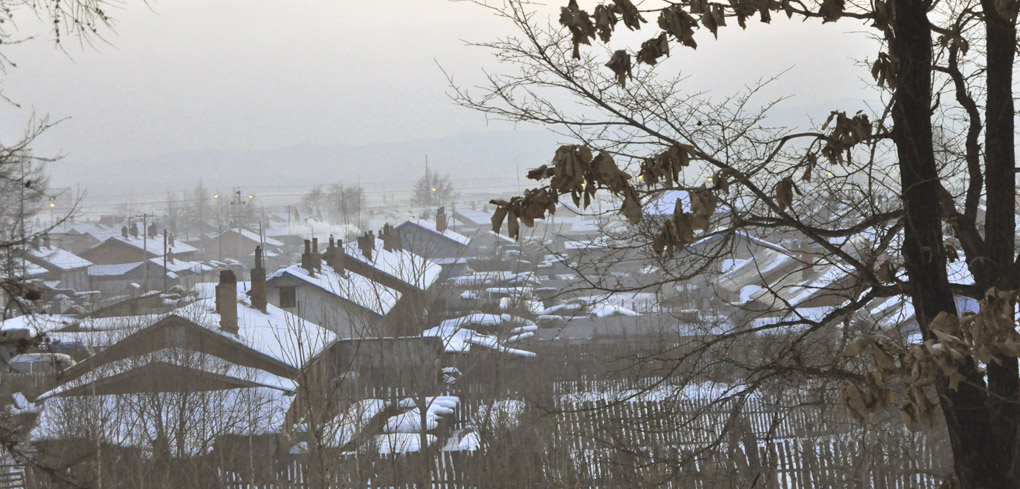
point(846, 133)
point(986, 337)
point(573, 171)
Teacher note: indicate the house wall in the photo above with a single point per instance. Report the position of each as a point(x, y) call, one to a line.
point(428, 244)
point(326, 309)
point(112, 252)
point(230, 245)
point(77, 279)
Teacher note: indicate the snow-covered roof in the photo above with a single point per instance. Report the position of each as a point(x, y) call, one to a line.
point(97, 231)
point(477, 218)
point(664, 203)
point(152, 245)
point(59, 258)
point(27, 269)
point(178, 266)
point(739, 235)
point(276, 333)
point(253, 236)
point(113, 270)
point(409, 268)
point(350, 286)
point(430, 226)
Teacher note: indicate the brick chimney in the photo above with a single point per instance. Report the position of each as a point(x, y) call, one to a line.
point(334, 255)
point(258, 282)
point(46, 241)
point(441, 220)
point(124, 231)
point(134, 229)
point(226, 301)
point(306, 258)
point(35, 242)
point(316, 257)
point(387, 240)
point(153, 232)
point(170, 239)
point(365, 245)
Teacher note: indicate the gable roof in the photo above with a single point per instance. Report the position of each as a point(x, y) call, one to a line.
point(176, 331)
point(56, 258)
point(409, 268)
point(430, 227)
point(151, 245)
point(161, 376)
point(253, 237)
point(277, 333)
point(352, 287)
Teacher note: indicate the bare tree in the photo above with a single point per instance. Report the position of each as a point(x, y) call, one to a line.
point(923, 145)
point(432, 189)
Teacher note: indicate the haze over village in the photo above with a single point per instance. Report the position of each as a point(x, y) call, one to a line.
point(503, 244)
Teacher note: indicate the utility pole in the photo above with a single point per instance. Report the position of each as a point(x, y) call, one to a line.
point(164, 260)
point(145, 245)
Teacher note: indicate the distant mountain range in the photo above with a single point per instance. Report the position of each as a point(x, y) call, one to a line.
point(479, 161)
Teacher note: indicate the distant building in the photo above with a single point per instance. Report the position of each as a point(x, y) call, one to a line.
point(432, 239)
point(338, 299)
point(128, 248)
point(68, 270)
point(239, 246)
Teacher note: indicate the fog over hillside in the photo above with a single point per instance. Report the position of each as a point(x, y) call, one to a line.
point(475, 161)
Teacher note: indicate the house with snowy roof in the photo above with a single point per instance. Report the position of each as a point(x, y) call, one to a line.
point(128, 248)
point(228, 341)
point(68, 270)
point(238, 244)
point(383, 259)
point(143, 276)
point(81, 237)
point(327, 293)
point(432, 239)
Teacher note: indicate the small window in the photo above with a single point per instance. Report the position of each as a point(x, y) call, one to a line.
point(288, 297)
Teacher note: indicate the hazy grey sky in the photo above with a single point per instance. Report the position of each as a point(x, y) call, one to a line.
point(262, 74)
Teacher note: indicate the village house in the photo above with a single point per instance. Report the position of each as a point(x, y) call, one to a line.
point(432, 240)
point(152, 274)
point(235, 244)
point(382, 258)
point(66, 269)
point(327, 293)
point(130, 247)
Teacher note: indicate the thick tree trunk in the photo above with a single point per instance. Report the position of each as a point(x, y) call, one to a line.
point(979, 460)
point(1000, 228)
point(1000, 224)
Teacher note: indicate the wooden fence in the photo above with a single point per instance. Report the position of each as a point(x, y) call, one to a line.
point(12, 476)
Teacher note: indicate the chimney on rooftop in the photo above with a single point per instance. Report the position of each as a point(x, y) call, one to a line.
point(316, 257)
point(365, 245)
point(226, 301)
point(387, 239)
point(170, 239)
point(46, 240)
point(134, 229)
point(441, 219)
point(124, 231)
point(35, 242)
point(306, 257)
point(258, 282)
point(153, 232)
point(334, 255)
